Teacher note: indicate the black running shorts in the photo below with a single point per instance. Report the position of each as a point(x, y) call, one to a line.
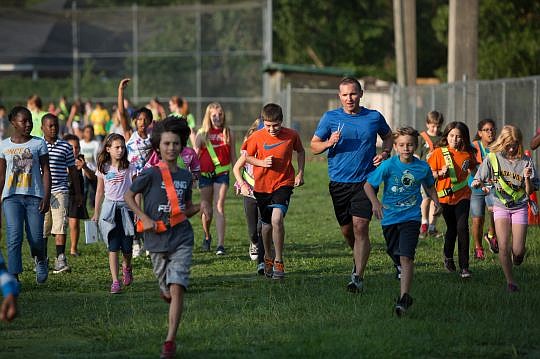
point(268, 201)
point(349, 200)
point(401, 239)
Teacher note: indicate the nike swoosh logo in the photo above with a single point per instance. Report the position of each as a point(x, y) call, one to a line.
point(269, 147)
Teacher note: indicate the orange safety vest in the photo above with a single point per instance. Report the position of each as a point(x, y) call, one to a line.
point(426, 138)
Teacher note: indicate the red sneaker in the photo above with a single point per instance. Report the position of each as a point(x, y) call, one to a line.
point(479, 253)
point(423, 231)
point(168, 350)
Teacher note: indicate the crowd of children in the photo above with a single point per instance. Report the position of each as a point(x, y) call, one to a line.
point(139, 178)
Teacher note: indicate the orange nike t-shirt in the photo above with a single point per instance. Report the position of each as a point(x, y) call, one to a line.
point(463, 162)
point(261, 145)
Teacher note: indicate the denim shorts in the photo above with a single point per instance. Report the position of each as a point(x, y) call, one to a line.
point(479, 201)
point(219, 179)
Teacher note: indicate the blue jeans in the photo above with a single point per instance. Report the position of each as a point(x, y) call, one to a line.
point(19, 209)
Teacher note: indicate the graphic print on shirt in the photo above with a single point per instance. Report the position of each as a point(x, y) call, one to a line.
point(115, 177)
point(402, 186)
point(21, 175)
point(180, 187)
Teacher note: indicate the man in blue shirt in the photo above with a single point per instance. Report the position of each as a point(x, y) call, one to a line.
point(349, 134)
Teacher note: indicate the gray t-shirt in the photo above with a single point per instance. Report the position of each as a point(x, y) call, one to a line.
point(23, 169)
point(512, 173)
point(157, 207)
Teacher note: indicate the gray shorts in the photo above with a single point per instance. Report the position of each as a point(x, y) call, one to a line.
point(172, 268)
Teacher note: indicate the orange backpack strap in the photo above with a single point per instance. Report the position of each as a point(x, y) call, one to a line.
point(426, 138)
point(176, 216)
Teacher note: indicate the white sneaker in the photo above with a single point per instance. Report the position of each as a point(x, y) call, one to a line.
point(253, 251)
point(136, 250)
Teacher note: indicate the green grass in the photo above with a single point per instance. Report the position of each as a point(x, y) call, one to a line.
point(230, 312)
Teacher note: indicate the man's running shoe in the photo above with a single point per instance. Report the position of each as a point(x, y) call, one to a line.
point(423, 231)
point(260, 268)
point(479, 253)
point(115, 287)
point(268, 267)
point(253, 251)
point(493, 245)
point(42, 270)
point(449, 265)
point(279, 270)
point(403, 304)
point(127, 275)
point(206, 242)
point(356, 285)
point(465, 273)
point(168, 350)
point(512, 288)
point(60, 264)
point(435, 234)
point(220, 251)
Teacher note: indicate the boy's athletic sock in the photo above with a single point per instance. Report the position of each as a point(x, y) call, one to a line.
point(60, 249)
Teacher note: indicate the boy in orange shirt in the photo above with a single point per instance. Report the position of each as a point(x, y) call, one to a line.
point(270, 150)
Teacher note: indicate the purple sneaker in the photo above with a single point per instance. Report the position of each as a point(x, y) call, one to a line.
point(115, 287)
point(128, 275)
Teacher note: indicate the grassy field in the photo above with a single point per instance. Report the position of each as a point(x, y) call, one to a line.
point(230, 312)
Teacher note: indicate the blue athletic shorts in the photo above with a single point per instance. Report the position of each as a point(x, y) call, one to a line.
point(209, 181)
point(401, 239)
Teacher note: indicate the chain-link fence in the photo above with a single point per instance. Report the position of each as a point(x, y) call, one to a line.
point(204, 53)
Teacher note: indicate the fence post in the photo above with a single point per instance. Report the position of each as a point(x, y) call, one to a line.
point(198, 60)
point(477, 102)
point(135, 50)
point(503, 101)
point(288, 110)
point(464, 99)
point(75, 49)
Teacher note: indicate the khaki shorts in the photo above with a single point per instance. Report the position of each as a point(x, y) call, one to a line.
point(56, 217)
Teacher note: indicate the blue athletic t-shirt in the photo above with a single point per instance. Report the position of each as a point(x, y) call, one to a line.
point(402, 181)
point(351, 159)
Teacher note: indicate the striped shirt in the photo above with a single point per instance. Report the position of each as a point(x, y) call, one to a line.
point(60, 159)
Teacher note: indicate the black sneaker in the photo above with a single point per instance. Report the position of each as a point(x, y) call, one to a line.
point(220, 251)
point(517, 260)
point(356, 285)
point(403, 304)
point(449, 265)
point(206, 242)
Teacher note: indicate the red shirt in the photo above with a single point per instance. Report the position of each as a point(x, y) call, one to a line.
point(222, 149)
point(261, 145)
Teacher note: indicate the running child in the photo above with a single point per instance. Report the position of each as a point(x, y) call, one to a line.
point(243, 172)
point(427, 142)
point(479, 199)
point(215, 146)
point(270, 150)
point(77, 212)
point(63, 170)
point(115, 175)
point(25, 184)
point(452, 162)
point(403, 176)
point(514, 178)
point(168, 234)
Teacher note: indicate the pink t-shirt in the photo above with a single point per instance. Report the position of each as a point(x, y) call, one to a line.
point(117, 182)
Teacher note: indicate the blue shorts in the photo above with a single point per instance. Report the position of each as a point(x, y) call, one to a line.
point(209, 181)
point(479, 201)
point(401, 239)
point(117, 238)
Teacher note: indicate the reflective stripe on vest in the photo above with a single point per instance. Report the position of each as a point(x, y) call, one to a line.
point(480, 151)
point(247, 177)
point(176, 214)
point(456, 186)
point(218, 168)
point(426, 138)
point(516, 195)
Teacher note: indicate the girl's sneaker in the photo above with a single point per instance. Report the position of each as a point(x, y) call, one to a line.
point(512, 288)
point(168, 350)
point(115, 287)
point(128, 275)
point(465, 273)
point(279, 270)
point(449, 265)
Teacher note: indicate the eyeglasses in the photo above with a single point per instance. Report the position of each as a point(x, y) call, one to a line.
point(492, 129)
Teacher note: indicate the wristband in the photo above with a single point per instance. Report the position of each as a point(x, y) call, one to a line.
point(9, 284)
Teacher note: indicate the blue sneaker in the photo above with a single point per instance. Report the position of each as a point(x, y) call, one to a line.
point(42, 270)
